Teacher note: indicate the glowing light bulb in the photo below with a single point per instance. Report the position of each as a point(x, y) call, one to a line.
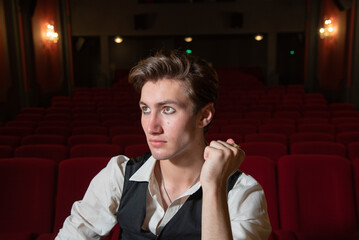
point(118, 39)
point(258, 37)
point(188, 39)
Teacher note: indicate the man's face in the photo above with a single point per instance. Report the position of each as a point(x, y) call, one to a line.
point(168, 119)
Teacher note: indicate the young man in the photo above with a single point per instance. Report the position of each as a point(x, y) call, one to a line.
point(183, 189)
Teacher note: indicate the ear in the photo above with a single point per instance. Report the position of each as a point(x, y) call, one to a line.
point(206, 115)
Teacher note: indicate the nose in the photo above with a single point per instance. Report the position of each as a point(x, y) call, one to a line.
point(153, 124)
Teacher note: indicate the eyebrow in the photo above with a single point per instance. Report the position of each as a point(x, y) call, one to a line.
point(166, 102)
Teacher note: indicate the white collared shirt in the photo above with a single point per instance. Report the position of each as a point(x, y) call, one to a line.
point(95, 215)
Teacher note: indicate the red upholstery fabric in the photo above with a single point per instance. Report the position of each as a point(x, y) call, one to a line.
point(263, 170)
point(316, 113)
point(129, 139)
point(281, 120)
point(22, 123)
point(316, 195)
point(345, 113)
point(89, 130)
point(266, 137)
point(95, 150)
point(353, 150)
point(258, 115)
point(87, 139)
point(74, 176)
point(272, 150)
point(356, 181)
point(338, 120)
point(43, 139)
point(318, 147)
point(347, 127)
point(118, 130)
point(223, 136)
point(6, 151)
point(57, 130)
point(12, 141)
point(340, 106)
point(242, 129)
point(286, 129)
point(287, 114)
point(347, 137)
point(136, 150)
point(305, 120)
point(27, 188)
point(311, 136)
point(316, 127)
point(55, 152)
point(16, 131)
point(18, 236)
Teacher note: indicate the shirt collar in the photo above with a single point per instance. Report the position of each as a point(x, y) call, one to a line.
point(143, 174)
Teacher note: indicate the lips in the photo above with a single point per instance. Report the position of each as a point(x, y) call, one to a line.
point(156, 142)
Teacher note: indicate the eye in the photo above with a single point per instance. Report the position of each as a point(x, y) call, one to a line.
point(168, 110)
point(145, 110)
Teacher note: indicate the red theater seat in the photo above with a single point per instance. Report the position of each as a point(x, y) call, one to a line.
point(16, 131)
point(55, 152)
point(89, 130)
point(353, 150)
point(286, 129)
point(74, 176)
point(28, 188)
point(316, 127)
point(347, 127)
point(136, 150)
point(311, 136)
point(347, 137)
point(263, 170)
point(129, 139)
point(242, 129)
point(43, 139)
point(272, 150)
point(318, 147)
point(6, 151)
point(87, 139)
point(118, 130)
point(12, 141)
point(56, 130)
point(316, 196)
point(266, 137)
point(95, 150)
point(223, 136)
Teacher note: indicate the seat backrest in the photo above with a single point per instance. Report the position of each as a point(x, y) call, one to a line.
point(74, 176)
point(353, 150)
point(316, 194)
point(311, 136)
point(136, 150)
point(242, 129)
point(87, 139)
point(347, 137)
point(223, 136)
point(95, 150)
point(318, 147)
point(55, 152)
point(272, 150)
point(316, 127)
point(12, 141)
point(6, 151)
point(355, 162)
point(263, 170)
point(128, 139)
point(89, 130)
point(43, 139)
point(27, 188)
point(267, 137)
point(286, 129)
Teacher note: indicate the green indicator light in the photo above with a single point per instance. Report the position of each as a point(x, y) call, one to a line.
point(292, 52)
point(189, 51)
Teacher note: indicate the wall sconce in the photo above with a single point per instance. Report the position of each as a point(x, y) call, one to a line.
point(50, 34)
point(188, 39)
point(328, 30)
point(258, 37)
point(118, 39)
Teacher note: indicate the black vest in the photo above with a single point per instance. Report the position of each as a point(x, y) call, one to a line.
point(185, 224)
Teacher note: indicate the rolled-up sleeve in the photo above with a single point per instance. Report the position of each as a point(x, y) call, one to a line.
point(95, 215)
point(248, 210)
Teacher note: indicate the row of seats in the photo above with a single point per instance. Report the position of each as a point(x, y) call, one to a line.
point(308, 196)
point(272, 146)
